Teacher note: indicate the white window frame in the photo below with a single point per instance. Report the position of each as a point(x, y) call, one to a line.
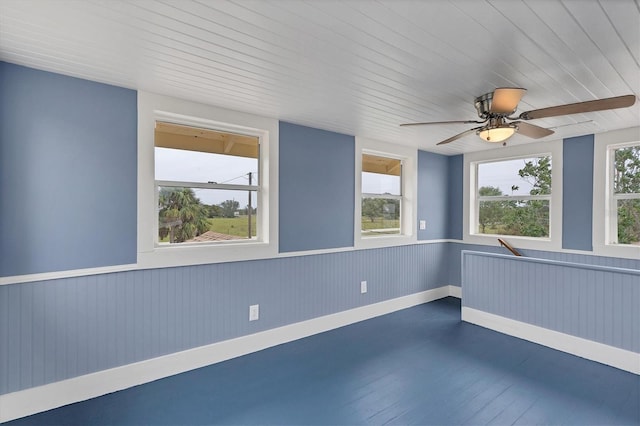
point(605, 213)
point(612, 197)
point(408, 188)
point(471, 199)
point(152, 108)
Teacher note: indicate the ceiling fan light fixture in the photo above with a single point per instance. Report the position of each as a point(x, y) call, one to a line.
point(497, 124)
point(497, 134)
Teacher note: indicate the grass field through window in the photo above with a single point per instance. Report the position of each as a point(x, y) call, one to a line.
point(235, 226)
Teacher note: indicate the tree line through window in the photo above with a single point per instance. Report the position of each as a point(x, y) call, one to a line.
point(626, 195)
point(514, 197)
point(207, 185)
point(381, 195)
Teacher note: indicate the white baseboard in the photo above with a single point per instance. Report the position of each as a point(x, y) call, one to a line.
point(41, 398)
point(455, 291)
point(599, 352)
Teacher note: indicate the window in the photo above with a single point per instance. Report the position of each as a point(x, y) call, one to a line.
point(513, 197)
point(207, 184)
point(381, 195)
point(385, 183)
point(514, 192)
point(624, 189)
point(615, 193)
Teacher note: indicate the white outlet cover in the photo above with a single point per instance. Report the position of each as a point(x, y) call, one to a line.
point(254, 312)
point(363, 286)
point(423, 225)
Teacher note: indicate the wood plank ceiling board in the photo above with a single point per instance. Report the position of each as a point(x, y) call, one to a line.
point(627, 23)
point(357, 67)
point(175, 136)
point(548, 48)
point(592, 76)
point(381, 165)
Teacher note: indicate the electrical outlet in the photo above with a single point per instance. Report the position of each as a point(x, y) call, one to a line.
point(254, 312)
point(423, 225)
point(363, 287)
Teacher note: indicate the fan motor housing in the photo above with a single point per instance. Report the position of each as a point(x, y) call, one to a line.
point(483, 104)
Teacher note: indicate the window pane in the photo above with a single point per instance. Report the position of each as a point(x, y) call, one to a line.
point(524, 176)
point(629, 221)
point(192, 154)
point(381, 175)
point(626, 178)
point(380, 216)
point(180, 165)
point(375, 183)
point(205, 215)
point(523, 218)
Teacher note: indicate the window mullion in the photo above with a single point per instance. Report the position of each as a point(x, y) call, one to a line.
point(513, 197)
point(627, 196)
point(383, 196)
point(232, 187)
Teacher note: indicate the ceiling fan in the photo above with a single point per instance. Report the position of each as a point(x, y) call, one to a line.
point(497, 125)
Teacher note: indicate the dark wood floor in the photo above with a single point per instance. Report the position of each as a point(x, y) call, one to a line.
point(417, 366)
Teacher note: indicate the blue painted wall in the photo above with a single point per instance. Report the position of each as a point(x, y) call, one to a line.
point(67, 173)
point(596, 303)
point(577, 193)
point(455, 197)
point(454, 251)
point(68, 157)
point(317, 172)
point(440, 189)
point(433, 190)
point(54, 330)
point(58, 329)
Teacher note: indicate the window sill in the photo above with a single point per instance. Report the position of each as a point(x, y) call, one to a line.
point(203, 245)
point(195, 254)
point(519, 242)
point(384, 241)
point(617, 250)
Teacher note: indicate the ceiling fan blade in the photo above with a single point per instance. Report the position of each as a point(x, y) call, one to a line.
point(505, 99)
point(442, 122)
point(458, 136)
point(531, 130)
point(580, 107)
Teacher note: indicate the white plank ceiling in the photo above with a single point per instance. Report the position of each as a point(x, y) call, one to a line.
point(355, 67)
